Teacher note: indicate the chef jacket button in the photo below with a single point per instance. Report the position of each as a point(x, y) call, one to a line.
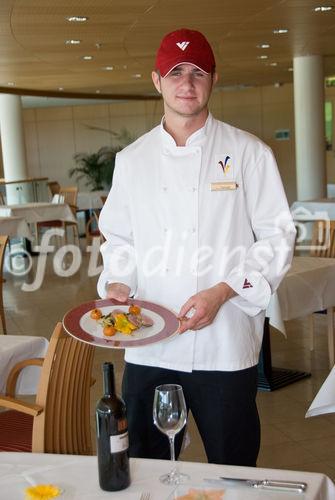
point(164, 188)
point(194, 230)
point(167, 269)
point(194, 189)
point(165, 230)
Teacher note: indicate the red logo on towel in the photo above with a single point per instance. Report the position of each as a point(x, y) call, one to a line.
point(247, 284)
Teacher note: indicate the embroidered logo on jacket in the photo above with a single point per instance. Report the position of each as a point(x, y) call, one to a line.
point(247, 284)
point(225, 165)
point(182, 45)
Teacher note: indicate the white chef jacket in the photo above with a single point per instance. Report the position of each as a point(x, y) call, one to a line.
point(173, 229)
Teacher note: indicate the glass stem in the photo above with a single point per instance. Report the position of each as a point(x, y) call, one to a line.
point(172, 453)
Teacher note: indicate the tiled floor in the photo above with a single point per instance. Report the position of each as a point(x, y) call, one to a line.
point(288, 439)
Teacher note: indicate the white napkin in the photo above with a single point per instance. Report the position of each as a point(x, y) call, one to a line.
point(324, 401)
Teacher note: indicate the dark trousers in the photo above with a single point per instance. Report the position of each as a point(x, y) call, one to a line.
point(222, 403)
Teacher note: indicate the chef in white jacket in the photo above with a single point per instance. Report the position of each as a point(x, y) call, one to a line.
point(196, 220)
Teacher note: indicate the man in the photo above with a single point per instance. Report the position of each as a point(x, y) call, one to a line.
point(196, 220)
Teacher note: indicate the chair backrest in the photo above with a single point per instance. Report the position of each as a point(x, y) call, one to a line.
point(3, 243)
point(2, 199)
point(64, 393)
point(68, 195)
point(323, 239)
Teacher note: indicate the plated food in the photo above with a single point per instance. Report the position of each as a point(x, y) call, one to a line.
point(118, 320)
point(154, 322)
point(201, 494)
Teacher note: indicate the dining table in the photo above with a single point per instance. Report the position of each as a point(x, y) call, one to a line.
point(308, 287)
point(38, 212)
point(77, 478)
point(16, 348)
point(322, 205)
point(324, 400)
point(90, 200)
point(14, 226)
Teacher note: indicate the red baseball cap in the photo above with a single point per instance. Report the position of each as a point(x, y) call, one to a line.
point(184, 46)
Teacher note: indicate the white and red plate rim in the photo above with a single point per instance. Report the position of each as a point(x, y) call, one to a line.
point(71, 323)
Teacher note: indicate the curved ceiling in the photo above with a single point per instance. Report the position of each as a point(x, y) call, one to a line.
point(123, 35)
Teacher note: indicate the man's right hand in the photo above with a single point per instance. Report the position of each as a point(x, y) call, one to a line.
point(118, 291)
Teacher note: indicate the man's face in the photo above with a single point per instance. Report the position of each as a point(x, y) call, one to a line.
point(186, 90)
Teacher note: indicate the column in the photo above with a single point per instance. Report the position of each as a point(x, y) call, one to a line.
point(309, 127)
point(13, 148)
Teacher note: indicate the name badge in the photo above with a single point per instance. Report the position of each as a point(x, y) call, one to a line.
point(224, 186)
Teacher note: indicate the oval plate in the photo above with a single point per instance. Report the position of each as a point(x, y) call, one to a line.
point(80, 325)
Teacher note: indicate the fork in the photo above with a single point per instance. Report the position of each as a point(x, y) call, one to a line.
point(145, 496)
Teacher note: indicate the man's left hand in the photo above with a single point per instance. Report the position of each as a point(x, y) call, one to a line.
point(205, 305)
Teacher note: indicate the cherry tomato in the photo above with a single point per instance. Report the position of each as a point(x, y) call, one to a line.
point(109, 331)
point(96, 314)
point(134, 309)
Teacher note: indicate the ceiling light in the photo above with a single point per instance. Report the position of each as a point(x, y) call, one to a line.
point(290, 69)
point(60, 89)
point(324, 8)
point(11, 84)
point(97, 91)
point(77, 19)
point(263, 46)
point(108, 68)
point(72, 42)
point(137, 75)
point(273, 64)
point(263, 56)
point(280, 31)
point(124, 66)
point(87, 58)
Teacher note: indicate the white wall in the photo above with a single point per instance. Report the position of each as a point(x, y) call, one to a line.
point(53, 135)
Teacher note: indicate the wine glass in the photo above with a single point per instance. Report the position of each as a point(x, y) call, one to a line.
point(170, 413)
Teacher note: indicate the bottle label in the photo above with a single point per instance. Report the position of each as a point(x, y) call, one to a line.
point(119, 443)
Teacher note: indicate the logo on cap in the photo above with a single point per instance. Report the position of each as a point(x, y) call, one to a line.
point(182, 45)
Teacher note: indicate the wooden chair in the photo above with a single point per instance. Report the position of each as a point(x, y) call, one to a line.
point(59, 420)
point(92, 225)
point(3, 243)
point(323, 245)
point(54, 187)
point(2, 199)
point(69, 196)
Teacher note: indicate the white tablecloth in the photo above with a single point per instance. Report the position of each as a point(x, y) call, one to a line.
point(15, 348)
point(39, 212)
point(78, 478)
point(331, 190)
point(88, 201)
point(313, 208)
point(15, 226)
point(324, 401)
point(308, 286)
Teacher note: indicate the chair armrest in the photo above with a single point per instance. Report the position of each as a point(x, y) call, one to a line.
point(15, 372)
point(22, 406)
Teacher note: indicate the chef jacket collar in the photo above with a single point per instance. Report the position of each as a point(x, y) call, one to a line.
point(195, 139)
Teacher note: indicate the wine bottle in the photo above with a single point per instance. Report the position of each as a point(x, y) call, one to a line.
point(112, 436)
